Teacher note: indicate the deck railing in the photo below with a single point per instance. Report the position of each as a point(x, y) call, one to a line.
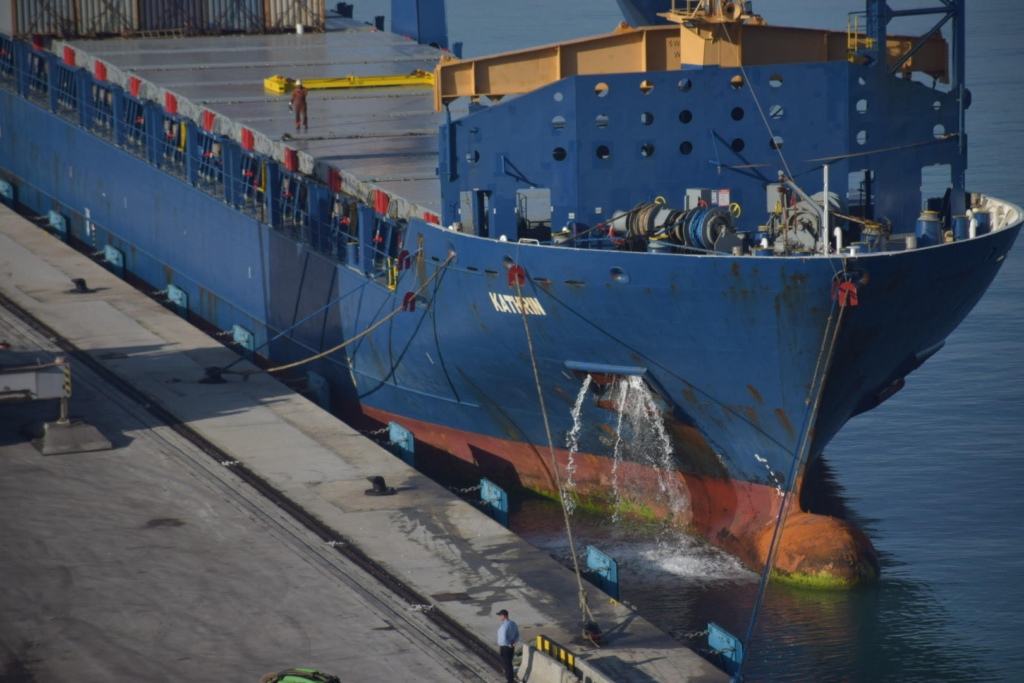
point(295, 204)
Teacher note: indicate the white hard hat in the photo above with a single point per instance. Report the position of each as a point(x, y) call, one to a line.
point(298, 84)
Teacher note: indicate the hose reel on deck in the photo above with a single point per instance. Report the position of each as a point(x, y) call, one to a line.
point(703, 228)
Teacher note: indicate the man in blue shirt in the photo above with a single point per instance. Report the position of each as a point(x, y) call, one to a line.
point(508, 636)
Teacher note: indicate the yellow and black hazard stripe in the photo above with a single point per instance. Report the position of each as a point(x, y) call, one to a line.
point(67, 380)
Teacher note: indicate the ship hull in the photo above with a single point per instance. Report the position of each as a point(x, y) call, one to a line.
point(728, 347)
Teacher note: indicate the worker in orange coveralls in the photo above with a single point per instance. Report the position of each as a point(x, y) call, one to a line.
point(298, 105)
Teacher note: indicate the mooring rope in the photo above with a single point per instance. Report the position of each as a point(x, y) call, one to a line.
point(586, 614)
point(308, 317)
point(369, 329)
point(813, 404)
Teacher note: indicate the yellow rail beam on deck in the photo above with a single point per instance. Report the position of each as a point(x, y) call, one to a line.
point(281, 85)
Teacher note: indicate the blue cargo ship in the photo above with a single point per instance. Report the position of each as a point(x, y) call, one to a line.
point(723, 214)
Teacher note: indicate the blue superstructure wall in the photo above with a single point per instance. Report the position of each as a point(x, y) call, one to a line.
point(663, 132)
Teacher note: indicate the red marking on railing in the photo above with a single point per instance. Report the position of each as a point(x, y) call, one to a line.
point(403, 259)
point(381, 202)
point(69, 56)
point(208, 119)
point(409, 302)
point(37, 42)
point(248, 142)
point(99, 70)
point(431, 218)
point(516, 273)
point(170, 103)
point(334, 180)
point(291, 159)
point(134, 85)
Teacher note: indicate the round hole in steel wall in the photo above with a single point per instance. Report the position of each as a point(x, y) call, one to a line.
point(603, 152)
point(619, 275)
point(473, 156)
point(936, 105)
point(775, 81)
point(647, 118)
point(775, 142)
point(647, 150)
point(559, 154)
point(686, 148)
point(738, 145)
point(646, 87)
point(601, 121)
point(862, 106)
point(939, 130)
point(736, 82)
point(558, 123)
point(685, 85)
point(776, 111)
point(508, 262)
point(601, 89)
point(862, 137)
point(558, 97)
point(685, 116)
point(737, 113)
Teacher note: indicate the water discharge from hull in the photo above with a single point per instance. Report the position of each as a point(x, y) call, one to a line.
point(572, 443)
point(641, 438)
point(621, 390)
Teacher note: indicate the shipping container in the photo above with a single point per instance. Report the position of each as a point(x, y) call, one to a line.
point(96, 18)
point(244, 16)
point(106, 17)
point(283, 15)
point(46, 17)
point(171, 16)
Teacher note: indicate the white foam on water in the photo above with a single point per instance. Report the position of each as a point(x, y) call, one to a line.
point(651, 559)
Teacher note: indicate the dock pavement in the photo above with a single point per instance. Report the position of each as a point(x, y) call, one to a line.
point(154, 562)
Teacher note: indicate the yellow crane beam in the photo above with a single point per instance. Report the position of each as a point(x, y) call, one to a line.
point(282, 85)
point(664, 48)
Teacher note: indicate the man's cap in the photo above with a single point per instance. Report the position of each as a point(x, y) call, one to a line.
point(503, 613)
point(298, 84)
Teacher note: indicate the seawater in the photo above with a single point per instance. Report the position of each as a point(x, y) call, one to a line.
point(935, 476)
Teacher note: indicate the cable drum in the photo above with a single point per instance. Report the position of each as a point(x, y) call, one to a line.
point(697, 228)
point(706, 226)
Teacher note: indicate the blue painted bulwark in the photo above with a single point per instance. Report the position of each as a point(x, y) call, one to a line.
point(177, 299)
point(6, 193)
point(58, 224)
point(243, 338)
point(603, 571)
point(402, 443)
point(495, 501)
point(318, 390)
point(114, 259)
point(729, 648)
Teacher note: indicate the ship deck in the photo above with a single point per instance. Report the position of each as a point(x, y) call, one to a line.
point(386, 137)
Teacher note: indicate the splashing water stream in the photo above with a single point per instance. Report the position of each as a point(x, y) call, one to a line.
point(641, 447)
point(572, 442)
point(645, 440)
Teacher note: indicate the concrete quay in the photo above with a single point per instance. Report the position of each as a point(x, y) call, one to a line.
point(153, 561)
